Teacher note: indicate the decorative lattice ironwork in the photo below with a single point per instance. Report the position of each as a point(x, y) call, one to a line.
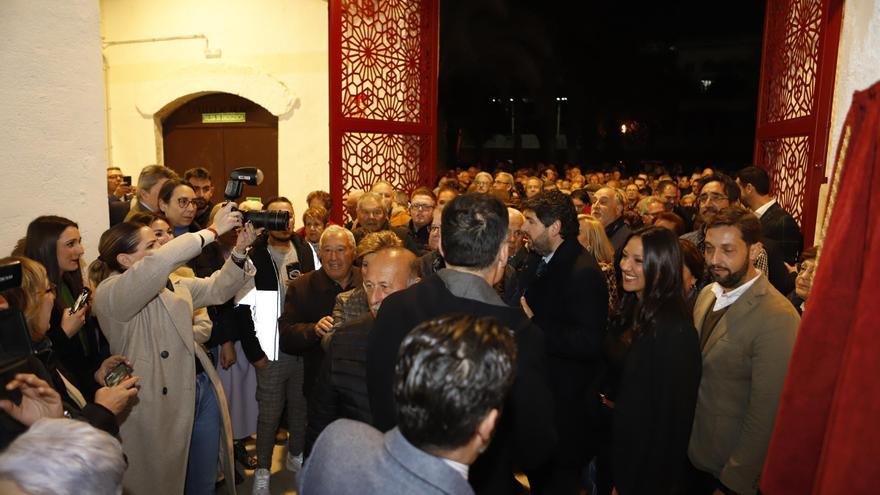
point(368, 157)
point(383, 93)
point(793, 43)
point(787, 159)
point(384, 63)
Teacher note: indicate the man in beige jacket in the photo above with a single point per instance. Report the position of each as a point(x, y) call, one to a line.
point(747, 331)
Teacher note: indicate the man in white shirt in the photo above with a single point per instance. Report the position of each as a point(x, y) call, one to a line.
point(776, 223)
point(747, 331)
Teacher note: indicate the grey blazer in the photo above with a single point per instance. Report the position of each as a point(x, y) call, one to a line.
point(354, 458)
point(744, 365)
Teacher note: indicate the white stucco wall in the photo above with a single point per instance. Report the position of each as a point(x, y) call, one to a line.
point(858, 67)
point(53, 143)
point(274, 52)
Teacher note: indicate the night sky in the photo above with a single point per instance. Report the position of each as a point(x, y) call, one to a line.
point(682, 76)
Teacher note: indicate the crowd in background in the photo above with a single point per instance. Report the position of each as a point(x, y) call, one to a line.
point(552, 330)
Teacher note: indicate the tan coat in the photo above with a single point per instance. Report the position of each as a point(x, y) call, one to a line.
point(744, 366)
point(153, 327)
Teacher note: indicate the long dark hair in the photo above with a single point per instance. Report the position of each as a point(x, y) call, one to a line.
point(663, 294)
point(41, 245)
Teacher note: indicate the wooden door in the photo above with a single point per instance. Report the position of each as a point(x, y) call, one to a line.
point(200, 134)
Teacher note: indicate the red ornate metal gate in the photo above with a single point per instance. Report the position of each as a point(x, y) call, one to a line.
point(794, 106)
point(383, 94)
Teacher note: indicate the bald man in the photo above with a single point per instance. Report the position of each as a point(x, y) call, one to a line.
point(341, 388)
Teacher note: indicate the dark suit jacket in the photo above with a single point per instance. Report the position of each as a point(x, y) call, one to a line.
point(779, 225)
point(654, 408)
point(570, 302)
point(118, 209)
point(341, 389)
point(309, 298)
point(352, 458)
point(415, 240)
point(525, 435)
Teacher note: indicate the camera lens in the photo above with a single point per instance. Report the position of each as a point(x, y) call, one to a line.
point(271, 220)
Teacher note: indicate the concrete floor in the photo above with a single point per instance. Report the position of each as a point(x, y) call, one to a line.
point(283, 482)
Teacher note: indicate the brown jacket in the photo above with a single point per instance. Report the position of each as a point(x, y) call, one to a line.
point(744, 366)
point(153, 327)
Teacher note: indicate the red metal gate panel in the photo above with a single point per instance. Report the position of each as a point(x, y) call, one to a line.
point(383, 94)
point(794, 107)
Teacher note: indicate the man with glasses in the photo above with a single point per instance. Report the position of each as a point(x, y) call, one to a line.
point(504, 182)
point(200, 180)
point(117, 193)
point(417, 230)
point(714, 193)
point(483, 182)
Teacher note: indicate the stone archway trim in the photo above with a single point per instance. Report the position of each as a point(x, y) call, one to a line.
point(163, 96)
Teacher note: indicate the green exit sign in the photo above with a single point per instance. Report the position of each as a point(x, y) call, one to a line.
point(223, 118)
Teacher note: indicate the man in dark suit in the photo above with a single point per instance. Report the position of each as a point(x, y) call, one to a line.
point(341, 389)
point(473, 243)
point(566, 295)
point(776, 223)
point(117, 190)
point(444, 423)
point(608, 209)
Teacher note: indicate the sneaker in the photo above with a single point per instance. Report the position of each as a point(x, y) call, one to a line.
point(294, 462)
point(261, 482)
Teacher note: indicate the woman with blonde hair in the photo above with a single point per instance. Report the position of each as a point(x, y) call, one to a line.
point(592, 236)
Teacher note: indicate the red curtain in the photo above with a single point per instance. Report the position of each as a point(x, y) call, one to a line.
point(827, 433)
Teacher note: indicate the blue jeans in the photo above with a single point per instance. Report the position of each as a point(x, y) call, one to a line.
point(204, 447)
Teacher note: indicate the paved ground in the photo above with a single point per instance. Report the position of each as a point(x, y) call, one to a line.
point(283, 481)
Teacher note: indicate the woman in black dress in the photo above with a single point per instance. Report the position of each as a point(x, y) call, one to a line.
point(660, 363)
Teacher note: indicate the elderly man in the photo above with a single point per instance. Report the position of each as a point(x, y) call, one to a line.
point(372, 215)
point(307, 311)
point(473, 243)
point(504, 182)
point(608, 209)
point(534, 186)
point(341, 389)
point(417, 230)
point(150, 181)
point(350, 200)
point(747, 331)
point(483, 182)
point(649, 208)
point(440, 434)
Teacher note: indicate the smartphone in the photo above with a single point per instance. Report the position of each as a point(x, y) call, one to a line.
point(126, 179)
point(119, 373)
point(81, 301)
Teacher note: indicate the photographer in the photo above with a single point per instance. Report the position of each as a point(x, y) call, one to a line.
point(172, 435)
point(35, 299)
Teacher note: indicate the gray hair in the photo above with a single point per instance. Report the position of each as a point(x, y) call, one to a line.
point(65, 457)
point(336, 229)
point(643, 205)
point(371, 196)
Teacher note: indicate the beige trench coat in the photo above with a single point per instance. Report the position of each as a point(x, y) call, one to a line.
point(153, 327)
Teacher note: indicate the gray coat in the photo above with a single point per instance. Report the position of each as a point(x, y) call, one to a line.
point(744, 365)
point(153, 327)
point(355, 458)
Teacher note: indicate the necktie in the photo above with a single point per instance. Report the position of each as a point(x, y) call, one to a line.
point(541, 268)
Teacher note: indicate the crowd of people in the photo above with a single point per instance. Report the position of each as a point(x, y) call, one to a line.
point(545, 331)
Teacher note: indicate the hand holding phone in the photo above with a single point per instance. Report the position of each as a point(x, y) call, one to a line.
point(81, 301)
point(120, 372)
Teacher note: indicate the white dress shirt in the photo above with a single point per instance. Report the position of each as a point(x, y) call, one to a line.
point(725, 299)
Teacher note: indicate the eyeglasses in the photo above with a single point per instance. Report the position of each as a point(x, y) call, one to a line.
point(51, 289)
point(806, 268)
point(434, 228)
point(713, 197)
point(373, 213)
point(503, 183)
point(184, 202)
point(421, 207)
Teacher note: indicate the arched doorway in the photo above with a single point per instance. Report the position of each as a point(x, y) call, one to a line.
point(222, 132)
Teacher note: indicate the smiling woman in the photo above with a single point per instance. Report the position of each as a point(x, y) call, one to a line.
point(55, 242)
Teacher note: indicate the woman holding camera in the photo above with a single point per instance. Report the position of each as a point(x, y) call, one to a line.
point(36, 301)
point(172, 435)
point(55, 243)
point(654, 349)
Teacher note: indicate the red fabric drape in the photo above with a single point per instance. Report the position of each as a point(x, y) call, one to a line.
point(827, 432)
